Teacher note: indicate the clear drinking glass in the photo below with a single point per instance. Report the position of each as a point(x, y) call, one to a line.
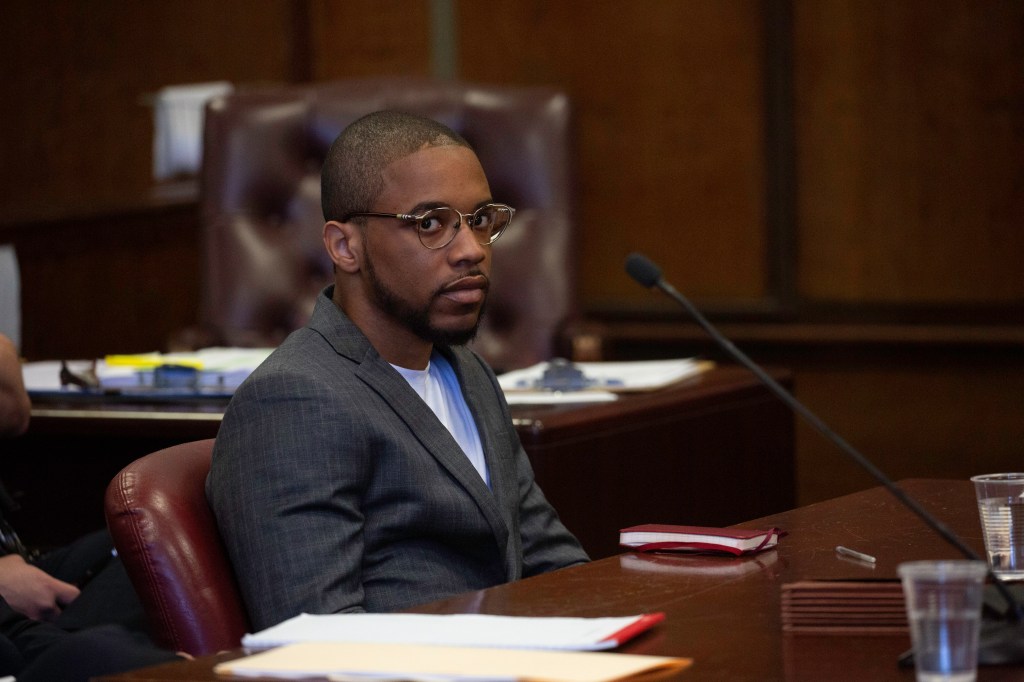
point(943, 600)
point(1001, 507)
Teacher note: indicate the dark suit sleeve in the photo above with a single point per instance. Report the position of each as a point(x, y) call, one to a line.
point(546, 543)
point(285, 485)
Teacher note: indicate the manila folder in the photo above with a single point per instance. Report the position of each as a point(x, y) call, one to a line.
point(338, 660)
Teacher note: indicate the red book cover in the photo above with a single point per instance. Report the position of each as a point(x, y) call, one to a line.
point(655, 537)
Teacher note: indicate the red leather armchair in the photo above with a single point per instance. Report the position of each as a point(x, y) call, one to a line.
point(264, 261)
point(168, 541)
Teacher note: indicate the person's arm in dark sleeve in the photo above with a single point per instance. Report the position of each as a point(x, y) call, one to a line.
point(285, 486)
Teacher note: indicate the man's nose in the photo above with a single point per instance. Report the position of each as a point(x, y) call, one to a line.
point(466, 246)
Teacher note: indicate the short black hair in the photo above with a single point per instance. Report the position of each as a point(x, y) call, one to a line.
point(351, 178)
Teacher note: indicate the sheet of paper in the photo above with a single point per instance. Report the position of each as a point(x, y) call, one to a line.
point(558, 397)
point(347, 661)
point(221, 368)
point(45, 376)
point(611, 376)
point(452, 630)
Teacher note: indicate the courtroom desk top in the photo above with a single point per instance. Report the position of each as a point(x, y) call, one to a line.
point(82, 414)
point(725, 612)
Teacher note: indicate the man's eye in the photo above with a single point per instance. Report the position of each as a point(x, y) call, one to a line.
point(482, 219)
point(430, 223)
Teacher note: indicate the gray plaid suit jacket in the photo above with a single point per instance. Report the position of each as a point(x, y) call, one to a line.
point(336, 488)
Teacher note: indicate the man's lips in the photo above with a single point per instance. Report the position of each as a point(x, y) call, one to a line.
point(466, 290)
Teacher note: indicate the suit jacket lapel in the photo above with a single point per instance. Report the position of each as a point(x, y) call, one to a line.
point(346, 339)
point(504, 481)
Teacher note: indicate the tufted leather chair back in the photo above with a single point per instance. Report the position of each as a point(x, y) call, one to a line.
point(168, 541)
point(264, 261)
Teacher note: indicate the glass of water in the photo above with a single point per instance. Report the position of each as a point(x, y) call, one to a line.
point(1001, 506)
point(943, 600)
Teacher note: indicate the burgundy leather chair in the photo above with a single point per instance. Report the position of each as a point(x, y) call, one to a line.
point(168, 541)
point(264, 261)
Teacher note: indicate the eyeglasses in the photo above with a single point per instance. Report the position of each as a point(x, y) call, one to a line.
point(437, 227)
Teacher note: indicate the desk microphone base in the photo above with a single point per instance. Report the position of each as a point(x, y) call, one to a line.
point(1002, 639)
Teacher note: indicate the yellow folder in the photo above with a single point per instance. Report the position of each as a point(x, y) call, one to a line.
point(348, 661)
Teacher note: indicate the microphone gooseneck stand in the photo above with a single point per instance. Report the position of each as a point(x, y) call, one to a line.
point(1003, 639)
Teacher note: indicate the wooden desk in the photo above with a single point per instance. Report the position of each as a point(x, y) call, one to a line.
point(724, 613)
point(713, 450)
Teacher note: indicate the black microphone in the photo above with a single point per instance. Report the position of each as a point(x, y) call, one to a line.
point(1005, 647)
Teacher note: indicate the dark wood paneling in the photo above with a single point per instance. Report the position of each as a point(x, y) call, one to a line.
point(107, 279)
point(669, 109)
point(910, 120)
point(76, 74)
point(942, 401)
point(913, 411)
point(909, 150)
point(370, 37)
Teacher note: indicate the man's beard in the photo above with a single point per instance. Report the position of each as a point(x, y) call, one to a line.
point(417, 320)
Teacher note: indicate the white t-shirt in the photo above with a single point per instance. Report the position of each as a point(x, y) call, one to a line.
point(440, 390)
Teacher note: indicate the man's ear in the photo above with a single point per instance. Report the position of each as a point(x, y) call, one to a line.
point(342, 241)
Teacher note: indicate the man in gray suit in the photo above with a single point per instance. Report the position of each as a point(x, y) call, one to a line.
point(371, 463)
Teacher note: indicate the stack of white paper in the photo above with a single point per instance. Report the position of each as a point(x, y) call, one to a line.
point(608, 377)
point(472, 630)
point(219, 370)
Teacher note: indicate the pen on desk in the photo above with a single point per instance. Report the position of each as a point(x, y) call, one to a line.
point(846, 551)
